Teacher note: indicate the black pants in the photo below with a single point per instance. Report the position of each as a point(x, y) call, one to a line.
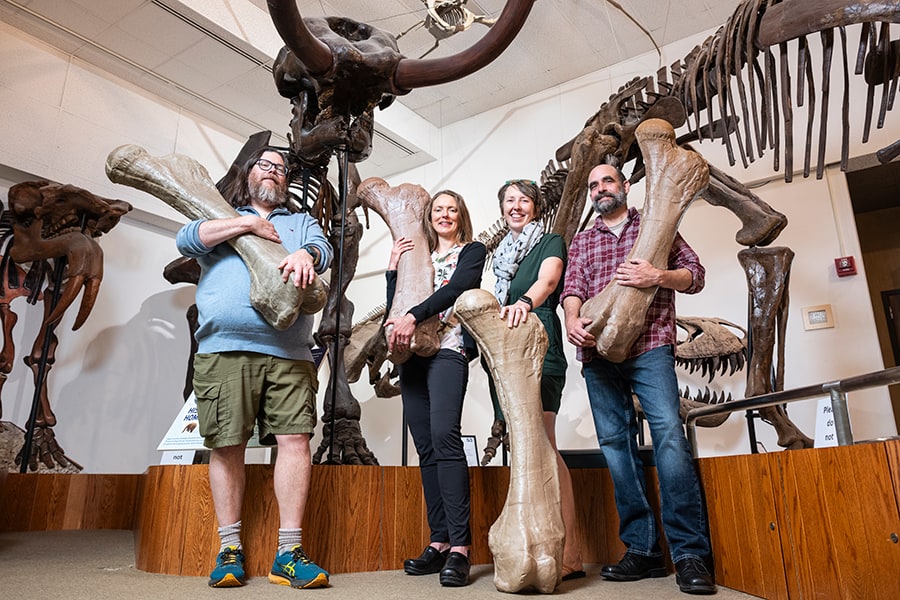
point(433, 389)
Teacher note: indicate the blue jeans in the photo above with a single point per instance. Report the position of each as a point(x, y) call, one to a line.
point(651, 376)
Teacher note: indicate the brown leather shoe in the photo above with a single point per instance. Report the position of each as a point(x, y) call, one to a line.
point(633, 567)
point(430, 561)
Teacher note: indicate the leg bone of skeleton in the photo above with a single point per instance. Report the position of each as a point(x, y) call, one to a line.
point(402, 209)
point(528, 537)
point(184, 184)
point(674, 178)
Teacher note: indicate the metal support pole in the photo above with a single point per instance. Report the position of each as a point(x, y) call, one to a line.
point(841, 417)
point(60, 268)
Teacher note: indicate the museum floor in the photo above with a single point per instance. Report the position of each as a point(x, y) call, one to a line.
point(99, 564)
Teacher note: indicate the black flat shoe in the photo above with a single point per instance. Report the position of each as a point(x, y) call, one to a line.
point(633, 567)
point(574, 575)
point(456, 571)
point(430, 561)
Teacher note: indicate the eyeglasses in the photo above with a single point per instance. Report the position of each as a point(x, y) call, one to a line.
point(267, 165)
point(529, 181)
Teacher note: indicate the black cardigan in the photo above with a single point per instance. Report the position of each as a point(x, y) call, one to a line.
point(467, 276)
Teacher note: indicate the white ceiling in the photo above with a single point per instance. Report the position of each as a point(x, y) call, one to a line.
point(179, 51)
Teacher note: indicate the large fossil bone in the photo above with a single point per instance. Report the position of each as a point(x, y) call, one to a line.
point(768, 276)
point(675, 177)
point(527, 538)
point(183, 183)
point(402, 209)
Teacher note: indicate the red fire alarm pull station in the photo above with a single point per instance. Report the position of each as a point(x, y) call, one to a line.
point(845, 266)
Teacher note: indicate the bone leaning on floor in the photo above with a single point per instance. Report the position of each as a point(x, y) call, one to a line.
point(402, 208)
point(675, 177)
point(527, 538)
point(183, 183)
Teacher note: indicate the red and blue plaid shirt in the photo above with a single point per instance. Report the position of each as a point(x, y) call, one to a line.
point(594, 256)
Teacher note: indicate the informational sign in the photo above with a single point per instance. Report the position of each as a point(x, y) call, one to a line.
point(826, 434)
point(471, 449)
point(184, 433)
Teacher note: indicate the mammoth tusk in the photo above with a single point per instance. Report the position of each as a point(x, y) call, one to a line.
point(316, 56)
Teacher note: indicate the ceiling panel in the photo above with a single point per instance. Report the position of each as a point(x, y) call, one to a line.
point(180, 53)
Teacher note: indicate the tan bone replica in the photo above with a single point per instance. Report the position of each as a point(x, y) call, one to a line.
point(184, 184)
point(527, 538)
point(675, 177)
point(402, 209)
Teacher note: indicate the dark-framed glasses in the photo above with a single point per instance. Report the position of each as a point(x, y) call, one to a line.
point(516, 181)
point(268, 165)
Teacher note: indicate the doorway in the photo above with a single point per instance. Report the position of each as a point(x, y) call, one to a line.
point(875, 196)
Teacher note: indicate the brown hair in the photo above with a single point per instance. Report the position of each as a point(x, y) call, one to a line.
point(528, 188)
point(237, 191)
point(464, 231)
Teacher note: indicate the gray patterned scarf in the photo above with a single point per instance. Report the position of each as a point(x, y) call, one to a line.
point(510, 253)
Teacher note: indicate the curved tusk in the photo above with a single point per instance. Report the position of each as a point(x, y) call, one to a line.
point(315, 55)
point(416, 73)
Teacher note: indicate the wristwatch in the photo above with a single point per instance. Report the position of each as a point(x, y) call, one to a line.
point(526, 300)
point(314, 252)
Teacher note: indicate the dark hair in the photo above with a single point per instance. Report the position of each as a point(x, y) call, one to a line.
point(464, 222)
point(237, 191)
point(613, 161)
point(528, 188)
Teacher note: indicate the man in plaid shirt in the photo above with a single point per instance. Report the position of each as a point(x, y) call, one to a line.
point(596, 257)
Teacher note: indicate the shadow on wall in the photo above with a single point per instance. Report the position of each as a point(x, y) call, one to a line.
point(115, 412)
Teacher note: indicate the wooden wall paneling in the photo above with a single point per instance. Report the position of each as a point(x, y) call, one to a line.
point(742, 495)
point(154, 529)
point(842, 508)
point(342, 531)
point(892, 448)
point(488, 488)
point(49, 506)
point(108, 501)
point(17, 502)
point(201, 538)
point(404, 529)
point(259, 520)
point(598, 521)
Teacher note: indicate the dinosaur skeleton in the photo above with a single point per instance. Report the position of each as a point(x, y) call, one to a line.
point(50, 229)
point(337, 71)
point(445, 18)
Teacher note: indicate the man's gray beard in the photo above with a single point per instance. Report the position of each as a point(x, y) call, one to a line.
point(267, 196)
point(609, 203)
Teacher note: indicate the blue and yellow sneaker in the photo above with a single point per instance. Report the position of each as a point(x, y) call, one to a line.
point(229, 571)
point(294, 568)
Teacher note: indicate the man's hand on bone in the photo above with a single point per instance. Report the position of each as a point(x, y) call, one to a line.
point(261, 228)
point(577, 334)
point(301, 264)
point(638, 273)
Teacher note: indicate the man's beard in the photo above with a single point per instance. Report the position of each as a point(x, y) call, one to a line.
point(270, 197)
point(609, 202)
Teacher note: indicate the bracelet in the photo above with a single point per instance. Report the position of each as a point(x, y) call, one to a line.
point(526, 300)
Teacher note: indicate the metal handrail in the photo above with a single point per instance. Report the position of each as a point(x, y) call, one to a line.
point(836, 389)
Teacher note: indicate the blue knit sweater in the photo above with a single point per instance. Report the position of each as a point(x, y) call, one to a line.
point(227, 320)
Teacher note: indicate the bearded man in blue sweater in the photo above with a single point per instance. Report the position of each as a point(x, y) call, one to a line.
point(246, 371)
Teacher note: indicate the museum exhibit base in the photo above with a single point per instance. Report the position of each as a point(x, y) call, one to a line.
point(794, 524)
